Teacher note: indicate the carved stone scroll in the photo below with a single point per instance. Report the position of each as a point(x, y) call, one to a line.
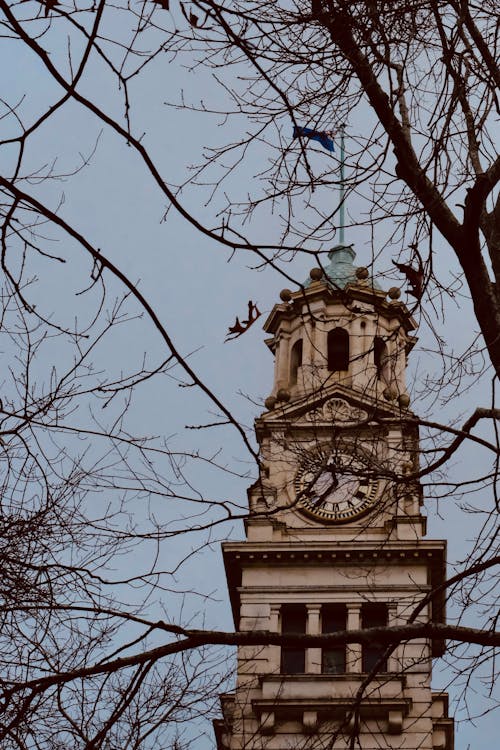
point(337, 410)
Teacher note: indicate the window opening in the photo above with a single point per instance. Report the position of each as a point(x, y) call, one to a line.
point(295, 361)
point(338, 350)
point(333, 619)
point(293, 622)
point(373, 615)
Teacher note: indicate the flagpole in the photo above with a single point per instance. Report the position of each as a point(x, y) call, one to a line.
point(342, 187)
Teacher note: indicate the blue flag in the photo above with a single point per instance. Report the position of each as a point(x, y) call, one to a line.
point(325, 137)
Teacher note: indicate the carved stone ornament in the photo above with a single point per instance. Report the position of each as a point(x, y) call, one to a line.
point(337, 410)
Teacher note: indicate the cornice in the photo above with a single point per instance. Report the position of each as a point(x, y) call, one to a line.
point(359, 292)
point(431, 553)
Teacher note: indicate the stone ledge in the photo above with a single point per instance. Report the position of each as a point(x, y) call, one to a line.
point(312, 712)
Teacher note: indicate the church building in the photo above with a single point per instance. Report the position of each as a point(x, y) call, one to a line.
point(336, 537)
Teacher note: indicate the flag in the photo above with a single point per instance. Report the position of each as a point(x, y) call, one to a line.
point(325, 137)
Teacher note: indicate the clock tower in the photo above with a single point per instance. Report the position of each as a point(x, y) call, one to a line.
point(335, 538)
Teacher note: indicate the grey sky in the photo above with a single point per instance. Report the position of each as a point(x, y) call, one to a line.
point(195, 286)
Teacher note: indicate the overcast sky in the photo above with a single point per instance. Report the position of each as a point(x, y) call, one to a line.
point(194, 285)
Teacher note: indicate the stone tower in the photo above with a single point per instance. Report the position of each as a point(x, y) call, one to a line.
point(335, 536)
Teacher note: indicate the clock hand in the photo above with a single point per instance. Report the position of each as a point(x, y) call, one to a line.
point(333, 471)
point(320, 499)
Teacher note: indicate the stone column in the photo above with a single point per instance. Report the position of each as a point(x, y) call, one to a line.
point(307, 342)
point(274, 651)
point(283, 361)
point(400, 364)
point(313, 655)
point(277, 353)
point(394, 660)
point(362, 363)
point(308, 334)
point(354, 662)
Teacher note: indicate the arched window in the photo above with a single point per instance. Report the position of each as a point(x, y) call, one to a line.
point(338, 350)
point(381, 358)
point(295, 361)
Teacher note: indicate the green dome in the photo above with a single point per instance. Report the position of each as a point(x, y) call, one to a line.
point(341, 271)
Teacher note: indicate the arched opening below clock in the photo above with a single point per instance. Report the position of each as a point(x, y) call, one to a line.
point(333, 620)
point(374, 615)
point(338, 350)
point(293, 622)
point(295, 361)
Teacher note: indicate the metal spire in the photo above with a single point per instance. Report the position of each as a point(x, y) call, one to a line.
point(342, 188)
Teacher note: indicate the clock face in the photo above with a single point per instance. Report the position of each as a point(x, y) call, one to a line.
point(335, 487)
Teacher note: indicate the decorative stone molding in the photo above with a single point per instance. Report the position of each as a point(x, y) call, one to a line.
point(395, 722)
point(312, 699)
point(310, 721)
point(337, 410)
point(267, 722)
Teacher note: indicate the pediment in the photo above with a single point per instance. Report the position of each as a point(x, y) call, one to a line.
point(335, 405)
